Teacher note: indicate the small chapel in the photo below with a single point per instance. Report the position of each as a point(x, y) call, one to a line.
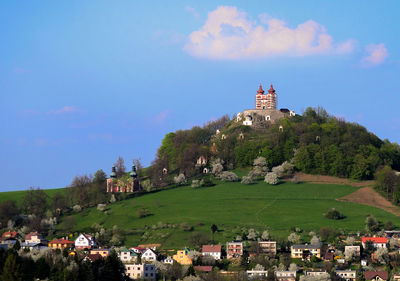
point(265, 111)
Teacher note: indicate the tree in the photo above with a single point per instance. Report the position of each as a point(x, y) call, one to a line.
point(100, 177)
point(58, 203)
point(35, 202)
point(371, 223)
point(113, 268)
point(294, 238)
point(228, 176)
point(265, 235)
point(271, 178)
point(8, 209)
point(315, 240)
point(214, 228)
point(120, 168)
point(11, 269)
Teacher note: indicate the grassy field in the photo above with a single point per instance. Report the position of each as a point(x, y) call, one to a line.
point(231, 206)
point(19, 195)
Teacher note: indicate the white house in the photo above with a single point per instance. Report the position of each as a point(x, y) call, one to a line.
point(282, 275)
point(168, 260)
point(85, 241)
point(127, 256)
point(149, 255)
point(348, 275)
point(377, 242)
point(212, 250)
point(355, 249)
point(256, 274)
point(143, 271)
point(34, 237)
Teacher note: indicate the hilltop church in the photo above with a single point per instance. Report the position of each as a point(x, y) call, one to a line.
point(265, 111)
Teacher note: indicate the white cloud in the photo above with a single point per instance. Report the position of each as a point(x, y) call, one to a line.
point(68, 109)
point(377, 53)
point(229, 34)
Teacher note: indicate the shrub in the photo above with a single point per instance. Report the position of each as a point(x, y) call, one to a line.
point(101, 207)
point(247, 180)
point(260, 167)
point(228, 176)
point(77, 208)
point(206, 182)
point(217, 166)
point(142, 213)
point(334, 214)
point(278, 170)
point(180, 179)
point(294, 238)
point(271, 178)
point(195, 183)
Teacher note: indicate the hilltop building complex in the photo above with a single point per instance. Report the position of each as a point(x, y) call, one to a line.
point(265, 111)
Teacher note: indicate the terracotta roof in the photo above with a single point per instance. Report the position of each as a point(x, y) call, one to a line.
point(211, 248)
point(371, 274)
point(374, 239)
point(260, 90)
point(10, 234)
point(61, 241)
point(30, 234)
point(204, 268)
point(93, 257)
point(271, 89)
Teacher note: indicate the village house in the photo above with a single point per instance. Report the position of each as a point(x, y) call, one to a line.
point(396, 277)
point(142, 271)
point(85, 241)
point(92, 257)
point(282, 275)
point(305, 251)
point(9, 238)
point(102, 252)
point(376, 275)
point(138, 250)
point(347, 275)
point(315, 272)
point(212, 250)
point(356, 249)
point(61, 244)
point(34, 237)
point(257, 274)
point(267, 247)
point(168, 260)
point(182, 257)
point(127, 256)
point(377, 242)
point(234, 249)
point(149, 255)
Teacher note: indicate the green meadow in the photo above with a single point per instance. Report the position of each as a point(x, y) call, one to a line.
point(232, 207)
point(18, 196)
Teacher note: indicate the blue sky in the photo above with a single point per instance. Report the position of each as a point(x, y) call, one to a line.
point(82, 82)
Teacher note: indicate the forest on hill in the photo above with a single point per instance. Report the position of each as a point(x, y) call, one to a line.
point(315, 142)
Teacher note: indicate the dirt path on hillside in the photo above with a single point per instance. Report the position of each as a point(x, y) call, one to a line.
point(368, 196)
point(331, 180)
point(365, 195)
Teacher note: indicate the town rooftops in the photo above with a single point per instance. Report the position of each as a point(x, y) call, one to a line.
point(93, 257)
point(307, 246)
point(61, 241)
point(374, 240)
point(211, 248)
point(372, 274)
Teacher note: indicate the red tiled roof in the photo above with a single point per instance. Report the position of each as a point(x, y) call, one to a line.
point(211, 248)
point(93, 257)
point(30, 234)
point(61, 241)
point(204, 268)
point(10, 234)
point(371, 274)
point(374, 239)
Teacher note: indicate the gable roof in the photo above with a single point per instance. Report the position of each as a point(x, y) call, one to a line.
point(211, 248)
point(30, 234)
point(10, 234)
point(371, 274)
point(93, 257)
point(374, 239)
point(61, 241)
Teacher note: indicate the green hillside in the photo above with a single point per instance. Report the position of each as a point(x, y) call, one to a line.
point(231, 206)
point(18, 196)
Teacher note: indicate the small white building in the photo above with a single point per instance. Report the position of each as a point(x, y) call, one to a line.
point(256, 274)
point(85, 241)
point(356, 249)
point(316, 273)
point(127, 256)
point(282, 275)
point(348, 275)
point(149, 255)
point(34, 237)
point(168, 260)
point(143, 271)
point(212, 250)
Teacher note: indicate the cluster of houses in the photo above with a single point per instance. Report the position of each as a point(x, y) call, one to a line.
point(140, 261)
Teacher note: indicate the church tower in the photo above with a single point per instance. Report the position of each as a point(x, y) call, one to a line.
point(261, 99)
point(271, 98)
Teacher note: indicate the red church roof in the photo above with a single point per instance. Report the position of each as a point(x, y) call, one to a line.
point(271, 89)
point(260, 90)
point(374, 239)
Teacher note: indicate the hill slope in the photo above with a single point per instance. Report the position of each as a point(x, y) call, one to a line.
point(231, 206)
